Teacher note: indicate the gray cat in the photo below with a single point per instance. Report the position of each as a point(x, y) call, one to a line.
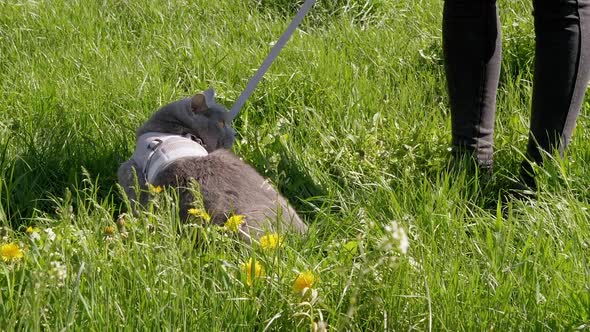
point(189, 140)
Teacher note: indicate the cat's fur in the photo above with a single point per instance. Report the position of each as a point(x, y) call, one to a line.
point(228, 185)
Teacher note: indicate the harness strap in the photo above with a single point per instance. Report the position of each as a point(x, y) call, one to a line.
point(168, 150)
point(156, 151)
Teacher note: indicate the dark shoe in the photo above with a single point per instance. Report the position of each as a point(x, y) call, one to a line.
point(520, 191)
point(527, 175)
point(525, 188)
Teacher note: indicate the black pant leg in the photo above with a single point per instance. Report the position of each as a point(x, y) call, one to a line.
point(562, 63)
point(472, 54)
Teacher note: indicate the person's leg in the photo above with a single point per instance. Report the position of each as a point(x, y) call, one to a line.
point(562, 63)
point(472, 55)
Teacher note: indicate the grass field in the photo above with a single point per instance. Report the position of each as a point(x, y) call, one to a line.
point(351, 123)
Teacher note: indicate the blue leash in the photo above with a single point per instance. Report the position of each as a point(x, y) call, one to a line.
point(274, 52)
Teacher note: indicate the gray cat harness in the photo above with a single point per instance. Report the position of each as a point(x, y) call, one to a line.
point(155, 151)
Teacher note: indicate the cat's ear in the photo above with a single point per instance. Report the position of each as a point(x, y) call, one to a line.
point(203, 101)
point(198, 103)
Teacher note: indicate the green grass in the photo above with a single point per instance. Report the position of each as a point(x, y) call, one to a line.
point(351, 123)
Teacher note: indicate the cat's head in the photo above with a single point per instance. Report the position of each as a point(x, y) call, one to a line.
point(199, 115)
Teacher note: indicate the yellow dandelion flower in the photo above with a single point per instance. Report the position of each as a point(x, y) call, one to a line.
point(10, 251)
point(155, 189)
point(109, 230)
point(250, 267)
point(271, 241)
point(304, 280)
point(200, 213)
point(234, 222)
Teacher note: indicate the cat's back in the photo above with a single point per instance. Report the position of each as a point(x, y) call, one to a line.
point(229, 185)
point(220, 164)
point(219, 174)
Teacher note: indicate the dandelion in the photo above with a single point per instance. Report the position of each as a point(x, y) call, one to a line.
point(304, 280)
point(155, 189)
point(50, 234)
point(250, 267)
point(234, 222)
point(200, 213)
point(10, 252)
point(271, 241)
point(30, 230)
point(109, 230)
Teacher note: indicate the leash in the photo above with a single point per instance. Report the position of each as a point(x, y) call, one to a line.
point(274, 52)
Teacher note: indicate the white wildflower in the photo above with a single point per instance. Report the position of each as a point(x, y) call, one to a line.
point(404, 243)
point(35, 236)
point(50, 234)
point(398, 235)
point(80, 234)
point(59, 272)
